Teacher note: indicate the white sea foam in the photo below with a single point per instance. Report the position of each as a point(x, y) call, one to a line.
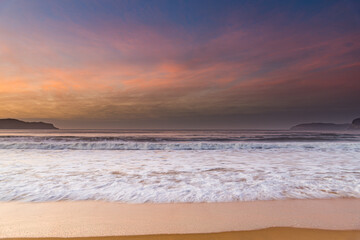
point(33, 169)
point(113, 145)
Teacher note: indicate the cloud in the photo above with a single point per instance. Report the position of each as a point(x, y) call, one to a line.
point(134, 70)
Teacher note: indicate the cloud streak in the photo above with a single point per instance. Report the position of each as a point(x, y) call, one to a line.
point(123, 69)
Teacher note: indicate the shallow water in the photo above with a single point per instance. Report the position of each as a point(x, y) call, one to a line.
point(177, 166)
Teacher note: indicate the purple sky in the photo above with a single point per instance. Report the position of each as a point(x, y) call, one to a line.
point(179, 64)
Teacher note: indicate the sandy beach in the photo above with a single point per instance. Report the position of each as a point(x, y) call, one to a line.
point(179, 120)
point(335, 218)
point(270, 233)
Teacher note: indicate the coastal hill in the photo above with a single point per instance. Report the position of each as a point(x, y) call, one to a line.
point(17, 124)
point(355, 124)
point(327, 126)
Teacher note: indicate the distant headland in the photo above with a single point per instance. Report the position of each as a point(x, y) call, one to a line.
point(355, 125)
point(17, 124)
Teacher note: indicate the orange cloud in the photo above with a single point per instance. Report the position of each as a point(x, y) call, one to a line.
point(132, 71)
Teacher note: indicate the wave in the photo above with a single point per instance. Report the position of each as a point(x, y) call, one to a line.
point(172, 146)
point(179, 176)
point(179, 167)
point(205, 137)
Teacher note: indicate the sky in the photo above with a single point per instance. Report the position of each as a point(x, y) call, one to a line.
point(180, 64)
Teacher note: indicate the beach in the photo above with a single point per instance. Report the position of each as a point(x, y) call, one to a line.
point(323, 219)
point(179, 120)
point(272, 233)
point(95, 184)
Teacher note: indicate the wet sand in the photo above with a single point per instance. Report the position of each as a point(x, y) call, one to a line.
point(296, 218)
point(263, 234)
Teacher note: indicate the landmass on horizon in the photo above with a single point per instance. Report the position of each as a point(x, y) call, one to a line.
point(10, 123)
point(354, 125)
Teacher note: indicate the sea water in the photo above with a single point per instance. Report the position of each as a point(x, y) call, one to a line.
point(140, 166)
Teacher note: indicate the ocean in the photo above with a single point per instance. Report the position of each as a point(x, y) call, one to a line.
point(138, 166)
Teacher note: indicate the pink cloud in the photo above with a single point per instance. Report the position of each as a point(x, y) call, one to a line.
point(127, 67)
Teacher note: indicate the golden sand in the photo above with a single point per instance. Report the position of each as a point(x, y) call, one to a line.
point(280, 219)
point(263, 234)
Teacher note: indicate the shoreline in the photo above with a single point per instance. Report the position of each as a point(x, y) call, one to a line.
point(269, 233)
point(97, 219)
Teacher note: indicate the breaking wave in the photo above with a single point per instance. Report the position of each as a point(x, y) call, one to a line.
point(171, 146)
point(178, 166)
